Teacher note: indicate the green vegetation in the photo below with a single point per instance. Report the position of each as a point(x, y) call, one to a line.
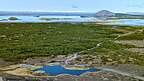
point(12, 18)
point(112, 52)
point(20, 41)
point(139, 35)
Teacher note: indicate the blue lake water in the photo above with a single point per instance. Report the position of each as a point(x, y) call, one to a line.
point(37, 19)
point(57, 70)
point(131, 22)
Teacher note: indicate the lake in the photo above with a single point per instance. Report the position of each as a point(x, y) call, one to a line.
point(57, 70)
point(52, 19)
point(131, 22)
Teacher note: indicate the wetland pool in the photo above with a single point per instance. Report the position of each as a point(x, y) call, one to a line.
point(57, 70)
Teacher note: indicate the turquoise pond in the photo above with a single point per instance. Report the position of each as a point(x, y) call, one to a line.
point(57, 70)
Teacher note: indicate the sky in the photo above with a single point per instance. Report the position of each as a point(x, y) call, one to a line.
point(72, 5)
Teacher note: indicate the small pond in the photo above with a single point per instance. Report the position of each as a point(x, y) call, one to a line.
point(57, 70)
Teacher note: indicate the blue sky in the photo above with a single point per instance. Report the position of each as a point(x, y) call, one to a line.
point(73, 5)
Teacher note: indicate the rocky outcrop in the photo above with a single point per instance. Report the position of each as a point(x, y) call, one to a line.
point(100, 76)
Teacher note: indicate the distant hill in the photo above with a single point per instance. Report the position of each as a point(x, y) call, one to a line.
point(109, 14)
point(129, 16)
point(135, 13)
point(105, 13)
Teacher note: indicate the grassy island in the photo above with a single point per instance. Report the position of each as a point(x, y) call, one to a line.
point(13, 18)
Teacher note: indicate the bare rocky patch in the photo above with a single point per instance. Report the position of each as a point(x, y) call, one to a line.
point(138, 50)
point(5, 63)
point(138, 43)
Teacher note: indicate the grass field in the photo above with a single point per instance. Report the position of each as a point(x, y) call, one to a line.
point(19, 41)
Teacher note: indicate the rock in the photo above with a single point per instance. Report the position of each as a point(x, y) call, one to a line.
point(131, 59)
point(105, 79)
point(92, 74)
point(12, 78)
point(112, 63)
point(90, 63)
point(3, 36)
point(122, 61)
point(1, 79)
point(109, 59)
point(26, 66)
point(39, 73)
